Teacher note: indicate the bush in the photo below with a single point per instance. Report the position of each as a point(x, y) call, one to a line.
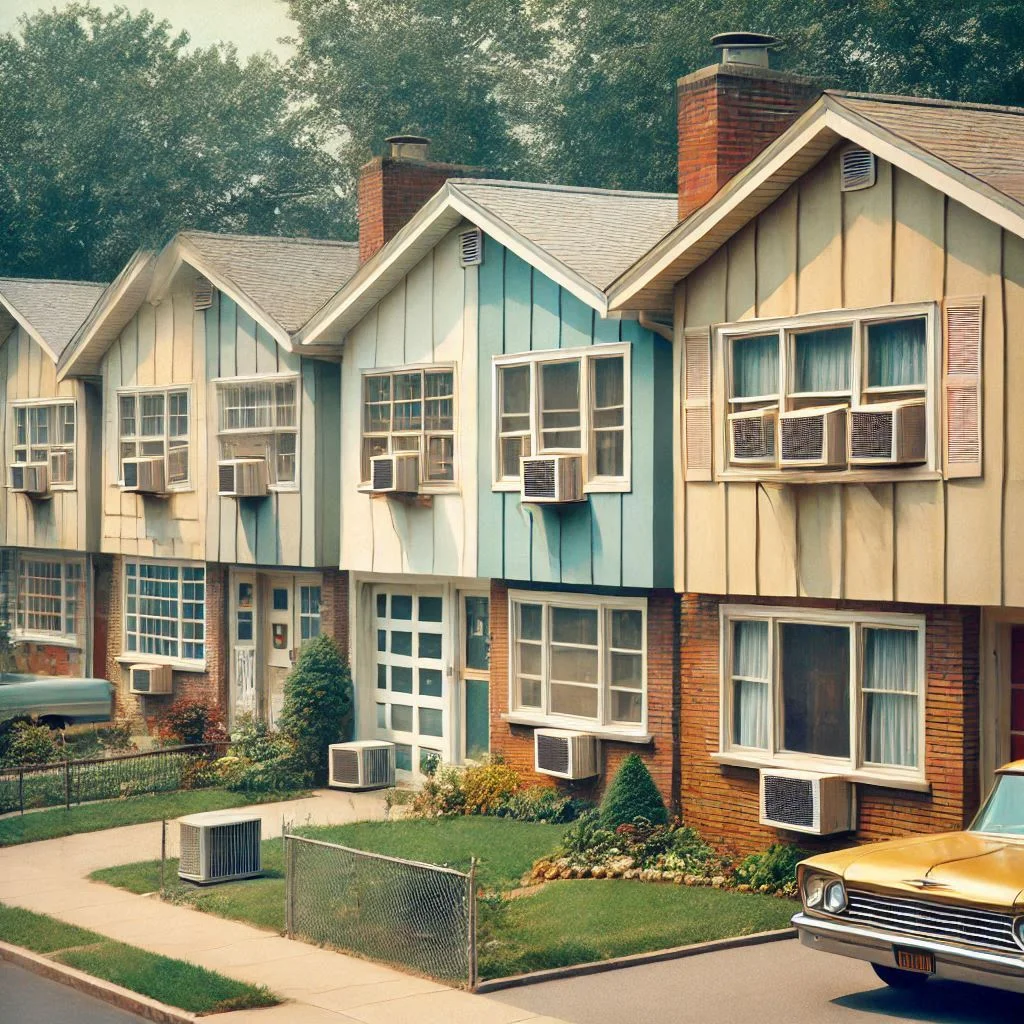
point(32, 744)
point(632, 795)
point(442, 794)
point(193, 721)
point(689, 853)
point(544, 804)
point(259, 761)
point(487, 786)
point(317, 705)
point(774, 870)
point(587, 841)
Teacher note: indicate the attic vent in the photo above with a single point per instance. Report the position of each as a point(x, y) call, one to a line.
point(202, 294)
point(471, 248)
point(858, 169)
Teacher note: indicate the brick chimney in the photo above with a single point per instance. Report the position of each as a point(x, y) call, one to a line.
point(730, 111)
point(393, 187)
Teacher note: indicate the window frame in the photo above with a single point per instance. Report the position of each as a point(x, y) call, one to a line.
point(189, 483)
point(175, 661)
point(52, 405)
point(61, 637)
point(587, 356)
point(603, 605)
point(273, 379)
point(856, 767)
point(787, 328)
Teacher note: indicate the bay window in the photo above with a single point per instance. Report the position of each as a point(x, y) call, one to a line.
point(49, 599)
point(155, 423)
point(44, 434)
point(260, 419)
point(165, 610)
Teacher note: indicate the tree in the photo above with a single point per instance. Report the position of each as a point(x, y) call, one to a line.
point(114, 135)
point(632, 794)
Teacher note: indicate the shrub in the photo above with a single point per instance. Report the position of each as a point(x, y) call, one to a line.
point(189, 720)
point(32, 744)
point(544, 804)
point(442, 794)
point(632, 795)
point(586, 841)
point(689, 853)
point(775, 868)
point(487, 786)
point(317, 705)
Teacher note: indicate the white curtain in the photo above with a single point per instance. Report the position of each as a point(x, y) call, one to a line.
point(755, 366)
point(823, 360)
point(891, 689)
point(897, 353)
point(750, 694)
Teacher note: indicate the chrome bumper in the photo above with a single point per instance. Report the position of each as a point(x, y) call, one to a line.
point(952, 963)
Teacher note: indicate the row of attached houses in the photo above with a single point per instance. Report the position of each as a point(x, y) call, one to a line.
point(729, 478)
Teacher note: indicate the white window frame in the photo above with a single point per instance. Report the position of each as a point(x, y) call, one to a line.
point(188, 484)
point(61, 636)
point(603, 724)
point(425, 486)
point(53, 405)
point(223, 433)
point(855, 767)
point(858, 320)
point(176, 661)
point(593, 484)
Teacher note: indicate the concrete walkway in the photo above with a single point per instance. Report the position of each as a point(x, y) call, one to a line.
point(51, 877)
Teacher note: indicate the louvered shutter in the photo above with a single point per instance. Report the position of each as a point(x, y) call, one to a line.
point(697, 402)
point(963, 320)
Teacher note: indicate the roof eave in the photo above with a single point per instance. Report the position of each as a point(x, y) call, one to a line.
point(19, 318)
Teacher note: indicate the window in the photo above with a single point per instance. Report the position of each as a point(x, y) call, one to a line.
point(579, 659)
point(259, 419)
point(50, 597)
point(44, 434)
point(164, 610)
point(155, 424)
point(570, 402)
point(309, 612)
point(802, 686)
point(411, 410)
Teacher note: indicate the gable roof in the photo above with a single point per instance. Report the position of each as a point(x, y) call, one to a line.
point(50, 311)
point(583, 238)
point(971, 152)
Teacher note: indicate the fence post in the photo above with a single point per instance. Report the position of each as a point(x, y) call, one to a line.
point(67, 785)
point(289, 886)
point(21, 790)
point(471, 940)
point(163, 852)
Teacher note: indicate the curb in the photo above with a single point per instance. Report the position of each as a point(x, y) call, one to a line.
point(633, 960)
point(122, 998)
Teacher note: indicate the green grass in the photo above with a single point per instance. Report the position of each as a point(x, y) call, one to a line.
point(170, 981)
point(52, 824)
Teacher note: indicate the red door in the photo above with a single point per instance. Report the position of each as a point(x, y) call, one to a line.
point(1017, 693)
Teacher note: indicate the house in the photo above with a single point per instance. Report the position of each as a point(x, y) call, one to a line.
point(475, 335)
point(49, 519)
point(848, 308)
point(218, 481)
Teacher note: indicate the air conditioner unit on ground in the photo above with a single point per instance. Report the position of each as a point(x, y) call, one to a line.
point(889, 434)
point(813, 438)
point(800, 801)
point(219, 846)
point(364, 764)
point(242, 478)
point(752, 437)
point(564, 754)
point(398, 473)
point(144, 475)
point(552, 479)
point(31, 480)
point(150, 679)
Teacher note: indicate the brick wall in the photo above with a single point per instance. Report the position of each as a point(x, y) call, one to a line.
point(722, 802)
point(334, 608)
point(49, 659)
point(515, 742)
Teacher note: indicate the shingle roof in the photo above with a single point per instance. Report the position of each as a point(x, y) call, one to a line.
point(289, 278)
point(54, 309)
point(597, 233)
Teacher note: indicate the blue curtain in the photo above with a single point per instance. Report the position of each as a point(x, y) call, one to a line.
point(897, 354)
point(755, 366)
point(823, 360)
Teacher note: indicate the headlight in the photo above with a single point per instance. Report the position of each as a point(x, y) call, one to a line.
point(835, 897)
point(814, 890)
point(1018, 931)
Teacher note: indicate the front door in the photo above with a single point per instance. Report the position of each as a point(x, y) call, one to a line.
point(1016, 719)
point(243, 647)
point(475, 634)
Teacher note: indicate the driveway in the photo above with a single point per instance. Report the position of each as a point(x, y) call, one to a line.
point(777, 983)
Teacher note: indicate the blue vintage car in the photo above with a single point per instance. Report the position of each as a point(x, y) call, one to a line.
point(55, 700)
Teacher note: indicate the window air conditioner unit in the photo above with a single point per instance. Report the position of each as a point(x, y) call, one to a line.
point(364, 764)
point(31, 480)
point(242, 478)
point(144, 475)
point(150, 679)
point(752, 437)
point(398, 473)
point(889, 434)
point(566, 755)
point(551, 479)
point(219, 846)
point(813, 438)
point(819, 805)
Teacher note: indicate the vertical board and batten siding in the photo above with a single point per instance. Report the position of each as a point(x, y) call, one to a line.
point(612, 540)
point(63, 521)
point(956, 541)
point(427, 318)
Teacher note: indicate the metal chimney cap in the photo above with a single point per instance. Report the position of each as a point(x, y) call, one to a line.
point(745, 47)
point(409, 147)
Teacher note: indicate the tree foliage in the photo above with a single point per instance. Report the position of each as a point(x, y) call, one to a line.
point(632, 795)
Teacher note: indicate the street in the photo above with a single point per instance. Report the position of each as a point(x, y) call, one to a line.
point(777, 983)
point(25, 998)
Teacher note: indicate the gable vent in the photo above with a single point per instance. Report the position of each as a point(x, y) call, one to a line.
point(471, 248)
point(858, 169)
point(202, 294)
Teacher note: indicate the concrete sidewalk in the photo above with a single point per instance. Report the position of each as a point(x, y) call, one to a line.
point(322, 987)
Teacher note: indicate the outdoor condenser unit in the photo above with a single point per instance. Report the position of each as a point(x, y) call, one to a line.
point(363, 764)
point(219, 846)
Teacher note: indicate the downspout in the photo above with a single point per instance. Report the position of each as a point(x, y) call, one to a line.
point(665, 330)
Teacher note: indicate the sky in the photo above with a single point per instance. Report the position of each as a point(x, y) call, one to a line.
point(252, 25)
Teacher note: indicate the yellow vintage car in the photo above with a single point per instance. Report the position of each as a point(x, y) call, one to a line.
point(937, 906)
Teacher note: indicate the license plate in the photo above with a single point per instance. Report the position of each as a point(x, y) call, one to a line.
point(915, 960)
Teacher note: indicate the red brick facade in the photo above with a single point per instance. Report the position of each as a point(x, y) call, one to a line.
point(334, 608)
point(722, 802)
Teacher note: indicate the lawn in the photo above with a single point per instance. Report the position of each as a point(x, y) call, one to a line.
point(51, 824)
point(170, 981)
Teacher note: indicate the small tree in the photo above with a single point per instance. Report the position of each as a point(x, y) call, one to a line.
point(632, 794)
point(189, 720)
point(317, 704)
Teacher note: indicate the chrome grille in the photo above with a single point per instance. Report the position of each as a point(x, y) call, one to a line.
point(984, 928)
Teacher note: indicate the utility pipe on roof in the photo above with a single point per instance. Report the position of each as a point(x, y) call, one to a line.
point(665, 330)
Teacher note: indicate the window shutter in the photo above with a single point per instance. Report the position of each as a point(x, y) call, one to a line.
point(697, 402)
point(963, 320)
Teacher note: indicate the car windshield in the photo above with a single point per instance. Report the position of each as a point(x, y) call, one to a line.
point(1003, 812)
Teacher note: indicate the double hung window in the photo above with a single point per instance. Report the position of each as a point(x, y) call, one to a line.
point(44, 434)
point(165, 610)
point(155, 423)
point(50, 597)
point(260, 419)
point(309, 612)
